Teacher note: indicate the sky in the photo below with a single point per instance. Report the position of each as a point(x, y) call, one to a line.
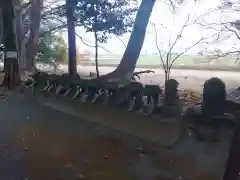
point(168, 26)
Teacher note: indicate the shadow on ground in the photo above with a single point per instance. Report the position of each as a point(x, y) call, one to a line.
point(39, 143)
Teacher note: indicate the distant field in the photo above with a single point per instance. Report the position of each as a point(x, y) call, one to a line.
point(185, 62)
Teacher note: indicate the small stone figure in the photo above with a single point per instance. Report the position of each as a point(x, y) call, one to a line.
point(171, 92)
point(135, 92)
point(40, 79)
point(207, 122)
point(171, 105)
point(214, 97)
point(151, 98)
point(111, 89)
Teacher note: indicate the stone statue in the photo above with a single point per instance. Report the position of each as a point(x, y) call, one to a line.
point(214, 97)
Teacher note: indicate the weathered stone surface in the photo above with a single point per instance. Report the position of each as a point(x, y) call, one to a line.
point(214, 97)
point(171, 93)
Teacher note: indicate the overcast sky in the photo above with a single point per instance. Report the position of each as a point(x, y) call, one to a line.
point(168, 26)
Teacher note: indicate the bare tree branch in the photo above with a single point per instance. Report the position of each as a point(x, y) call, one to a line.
point(159, 51)
point(176, 40)
point(83, 41)
point(221, 55)
point(223, 27)
point(231, 30)
point(168, 63)
point(121, 41)
point(169, 41)
point(53, 29)
point(173, 6)
point(187, 49)
point(206, 14)
point(179, 35)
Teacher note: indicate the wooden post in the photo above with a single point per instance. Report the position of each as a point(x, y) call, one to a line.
point(72, 65)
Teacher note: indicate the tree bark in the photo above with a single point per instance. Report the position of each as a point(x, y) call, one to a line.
point(72, 64)
point(1, 27)
point(11, 77)
point(35, 16)
point(135, 43)
point(20, 38)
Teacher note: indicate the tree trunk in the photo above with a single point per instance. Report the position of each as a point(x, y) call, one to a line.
point(135, 43)
point(11, 77)
point(96, 53)
point(1, 27)
point(35, 16)
point(55, 65)
point(20, 39)
point(166, 78)
point(72, 65)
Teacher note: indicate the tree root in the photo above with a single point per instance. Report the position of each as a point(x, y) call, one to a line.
point(118, 75)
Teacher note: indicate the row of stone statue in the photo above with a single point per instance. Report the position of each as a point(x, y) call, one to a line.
point(134, 96)
point(147, 99)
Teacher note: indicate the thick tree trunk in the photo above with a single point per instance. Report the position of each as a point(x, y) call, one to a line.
point(20, 39)
point(35, 16)
point(135, 43)
point(11, 77)
point(72, 64)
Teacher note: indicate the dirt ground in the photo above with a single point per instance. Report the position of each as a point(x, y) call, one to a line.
point(39, 143)
point(109, 144)
point(42, 138)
